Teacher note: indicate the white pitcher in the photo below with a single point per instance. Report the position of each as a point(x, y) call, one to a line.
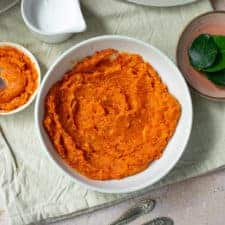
point(53, 21)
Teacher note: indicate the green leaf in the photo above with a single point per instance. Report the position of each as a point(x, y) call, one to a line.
point(218, 65)
point(220, 59)
point(217, 77)
point(203, 52)
point(220, 41)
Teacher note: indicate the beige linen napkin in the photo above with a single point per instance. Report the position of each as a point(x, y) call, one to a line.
point(33, 188)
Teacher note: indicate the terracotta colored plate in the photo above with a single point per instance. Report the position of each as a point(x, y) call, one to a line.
point(210, 23)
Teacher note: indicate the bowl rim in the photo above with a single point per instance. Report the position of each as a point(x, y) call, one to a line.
point(169, 3)
point(38, 125)
point(37, 67)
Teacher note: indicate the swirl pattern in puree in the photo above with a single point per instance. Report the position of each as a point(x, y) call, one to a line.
point(111, 115)
point(19, 77)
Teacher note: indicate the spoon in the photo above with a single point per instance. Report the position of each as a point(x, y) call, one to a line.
point(143, 207)
point(160, 221)
point(2, 82)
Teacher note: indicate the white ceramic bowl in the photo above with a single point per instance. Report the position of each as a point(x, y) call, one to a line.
point(41, 17)
point(35, 62)
point(169, 74)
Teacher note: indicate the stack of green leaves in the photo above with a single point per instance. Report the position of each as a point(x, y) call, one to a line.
point(207, 54)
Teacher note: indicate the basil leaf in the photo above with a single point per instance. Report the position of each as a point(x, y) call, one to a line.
point(203, 52)
point(220, 59)
point(217, 78)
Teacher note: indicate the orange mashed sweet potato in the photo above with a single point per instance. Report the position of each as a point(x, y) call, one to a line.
point(18, 77)
point(111, 115)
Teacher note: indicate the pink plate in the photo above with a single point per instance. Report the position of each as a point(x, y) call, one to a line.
point(209, 23)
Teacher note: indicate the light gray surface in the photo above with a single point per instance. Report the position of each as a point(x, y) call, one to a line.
point(198, 201)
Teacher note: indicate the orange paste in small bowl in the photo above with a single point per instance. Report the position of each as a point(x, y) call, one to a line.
point(111, 115)
point(18, 77)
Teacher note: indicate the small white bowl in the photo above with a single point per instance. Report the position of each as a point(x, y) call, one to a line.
point(53, 21)
point(169, 74)
point(37, 67)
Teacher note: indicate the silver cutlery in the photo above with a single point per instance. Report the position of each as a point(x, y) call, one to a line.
point(142, 207)
point(160, 221)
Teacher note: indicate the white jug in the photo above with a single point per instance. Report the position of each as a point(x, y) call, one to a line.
point(53, 21)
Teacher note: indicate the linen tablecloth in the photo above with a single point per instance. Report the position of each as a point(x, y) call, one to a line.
point(32, 187)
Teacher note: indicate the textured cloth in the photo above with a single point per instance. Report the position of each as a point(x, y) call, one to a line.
point(7, 4)
point(33, 188)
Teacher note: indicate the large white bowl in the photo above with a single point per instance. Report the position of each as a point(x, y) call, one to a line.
point(169, 74)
